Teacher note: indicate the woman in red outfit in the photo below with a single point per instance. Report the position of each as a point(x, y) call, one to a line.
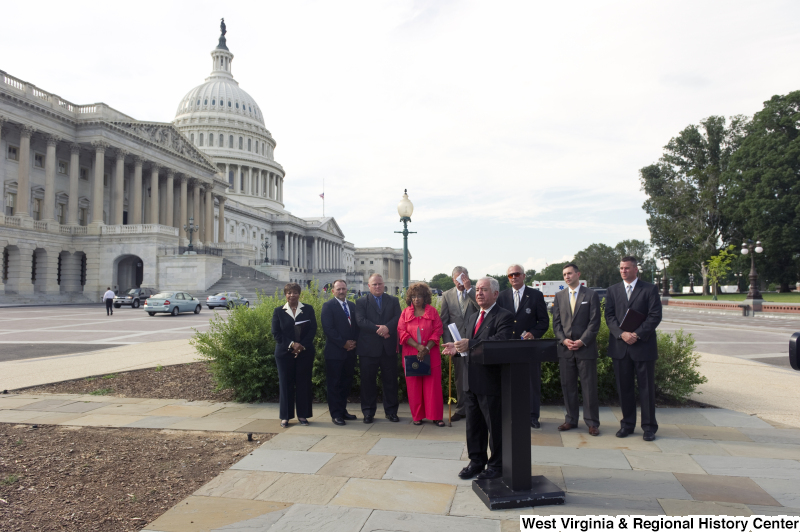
point(424, 393)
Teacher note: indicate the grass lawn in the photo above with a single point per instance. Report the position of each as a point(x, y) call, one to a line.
point(792, 297)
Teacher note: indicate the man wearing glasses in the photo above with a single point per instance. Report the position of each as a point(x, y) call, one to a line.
point(530, 321)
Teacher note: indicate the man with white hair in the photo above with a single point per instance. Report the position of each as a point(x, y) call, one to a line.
point(530, 321)
point(483, 387)
point(458, 305)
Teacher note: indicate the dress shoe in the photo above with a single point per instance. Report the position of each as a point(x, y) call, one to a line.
point(338, 421)
point(490, 473)
point(594, 431)
point(350, 417)
point(470, 471)
point(624, 433)
point(567, 426)
point(457, 417)
point(649, 436)
point(536, 424)
point(302, 421)
point(393, 418)
point(368, 419)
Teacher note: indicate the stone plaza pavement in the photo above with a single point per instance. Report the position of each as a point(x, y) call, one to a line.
point(397, 476)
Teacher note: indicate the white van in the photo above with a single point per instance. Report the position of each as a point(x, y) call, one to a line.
point(549, 289)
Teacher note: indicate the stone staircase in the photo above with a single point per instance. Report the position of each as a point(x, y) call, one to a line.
point(244, 280)
point(37, 298)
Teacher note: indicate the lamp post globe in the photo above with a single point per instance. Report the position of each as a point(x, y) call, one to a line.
point(405, 208)
point(748, 247)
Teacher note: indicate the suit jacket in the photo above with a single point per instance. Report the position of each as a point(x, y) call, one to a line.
point(451, 313)
point(497, 325)
point(368, 317)
point(645, 299)
point(338, 329)
point(283, 329)
point(583, 324)
point(531, 316)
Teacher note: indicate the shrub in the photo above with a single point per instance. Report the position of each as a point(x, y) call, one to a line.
point(240, 350)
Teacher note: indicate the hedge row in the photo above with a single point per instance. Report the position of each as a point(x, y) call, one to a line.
point(240, 351)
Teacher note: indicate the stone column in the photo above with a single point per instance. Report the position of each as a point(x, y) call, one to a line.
point(285, 245)
point(154, 205)
point(119, 186)
point(97, 186)
point(228, 174)
point(221, 228)
point(74, 176)
point(237, 183)
point(50, 179)
point(184, 208)
point(209, 218)
point(22, 208)
point(250, 190)
point(136, 190)
point(170, 219)
point(305, 254)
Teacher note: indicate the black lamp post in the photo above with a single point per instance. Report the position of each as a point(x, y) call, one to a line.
point(749, 247)
point(665, 291)
point(191, 228)
point(265, 245)
point(405, 208)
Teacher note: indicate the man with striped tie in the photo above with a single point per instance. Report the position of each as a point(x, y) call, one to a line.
point(634, 353)
point(341, 331)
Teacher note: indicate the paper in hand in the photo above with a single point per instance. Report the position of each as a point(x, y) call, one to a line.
point(461, 279)
point(454, 333)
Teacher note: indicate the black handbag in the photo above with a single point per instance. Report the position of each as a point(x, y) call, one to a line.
point(416, 367)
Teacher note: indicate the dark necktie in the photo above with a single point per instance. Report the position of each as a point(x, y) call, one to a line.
point(478, 324)
point(378, 302)
point(346, 310)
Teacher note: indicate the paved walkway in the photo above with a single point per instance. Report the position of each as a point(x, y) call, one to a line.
point(397, 476)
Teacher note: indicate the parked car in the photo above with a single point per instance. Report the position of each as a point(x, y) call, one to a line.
point(227, 300)
point(172, 303)
point(601, 292)
point(436, 291)
point(134, 297)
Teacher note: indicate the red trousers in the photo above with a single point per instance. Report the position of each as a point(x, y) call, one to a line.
point(425, 393)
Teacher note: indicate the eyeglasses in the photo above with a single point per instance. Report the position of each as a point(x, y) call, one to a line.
point(514, 274)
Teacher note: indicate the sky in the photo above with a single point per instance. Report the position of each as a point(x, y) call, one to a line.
point(518, 128)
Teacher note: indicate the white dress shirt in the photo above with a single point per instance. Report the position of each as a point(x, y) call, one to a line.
point(109, 295)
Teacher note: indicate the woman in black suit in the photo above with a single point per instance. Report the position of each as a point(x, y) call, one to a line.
point(293, 327)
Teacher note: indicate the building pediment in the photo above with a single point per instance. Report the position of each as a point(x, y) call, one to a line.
point(329, 225)
point(167, 137)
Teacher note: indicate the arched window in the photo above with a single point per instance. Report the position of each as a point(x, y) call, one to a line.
point(249, 144)
point(213, 102)
point(205, 102)
point(263, 149)
point(250, 109)
point(210, 139)
point(237, 105)
point(201, 139)
point(229, 103)
point(198, 102)
point(230, 139)
point(241, 143)
point(191, 138)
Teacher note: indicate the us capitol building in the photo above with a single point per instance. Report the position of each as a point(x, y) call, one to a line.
point(95, 198)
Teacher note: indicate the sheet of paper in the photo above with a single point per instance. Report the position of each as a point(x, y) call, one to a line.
point(454, 333)
point(462, 279)
point(301, 322)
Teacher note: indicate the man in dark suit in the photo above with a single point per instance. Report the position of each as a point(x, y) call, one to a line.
point(576, 322)
point(530, 321)
point(484, 415)
point(341, 331)
point(458, 305)
point(634, 352)
point(377, 315)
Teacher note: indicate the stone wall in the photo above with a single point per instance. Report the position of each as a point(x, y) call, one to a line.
point(192, 273)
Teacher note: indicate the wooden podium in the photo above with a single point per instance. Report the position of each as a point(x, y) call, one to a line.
point(517, 488)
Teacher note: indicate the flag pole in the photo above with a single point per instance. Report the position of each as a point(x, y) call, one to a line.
point(323, 197)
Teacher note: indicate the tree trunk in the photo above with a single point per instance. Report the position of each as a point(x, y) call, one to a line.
point(704, 274)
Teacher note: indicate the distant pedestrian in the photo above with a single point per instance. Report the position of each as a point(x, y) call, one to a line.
point(108, 297)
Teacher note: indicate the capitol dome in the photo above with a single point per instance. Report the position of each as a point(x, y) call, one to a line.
point(226, 123)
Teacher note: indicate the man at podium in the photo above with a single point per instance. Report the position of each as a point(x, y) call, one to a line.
point(483, 386)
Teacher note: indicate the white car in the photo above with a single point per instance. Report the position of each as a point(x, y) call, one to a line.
point(227, 300)
point(172, 303)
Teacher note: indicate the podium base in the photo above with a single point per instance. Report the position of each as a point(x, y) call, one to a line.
point(497, 496)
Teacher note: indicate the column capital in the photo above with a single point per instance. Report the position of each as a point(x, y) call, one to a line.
point(155, 168)
point(183, 179)
point(171, 172)
point(52, 140)
point(138, 160)
point(3, 120)
point(100, 146)
point(220, 198)
point(26, 131)
point(75, 148)
point(121, 154)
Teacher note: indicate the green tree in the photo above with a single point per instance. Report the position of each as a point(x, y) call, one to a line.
point(442, 281)
point(765, 187)
point(599, 265)
point(552, 272)
point(502, 280)
point(687, 201)
point(719, 265)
